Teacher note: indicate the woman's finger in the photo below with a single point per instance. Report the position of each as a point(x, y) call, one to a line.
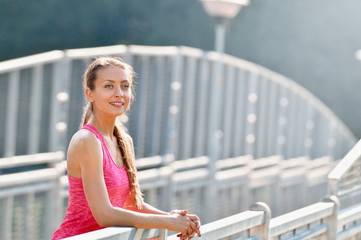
point(195, 228)
point(180, 212)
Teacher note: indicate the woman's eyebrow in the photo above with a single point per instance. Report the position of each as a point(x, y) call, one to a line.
point(110, 80)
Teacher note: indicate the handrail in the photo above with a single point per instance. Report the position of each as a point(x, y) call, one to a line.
point(345, 164)
point(121, 233)
point(231, 225)
point(319, 219)
point(301, 217)
point(29, 61)
point(31, 159)
point(344, 181)
point(349, 222)
point(23, 178)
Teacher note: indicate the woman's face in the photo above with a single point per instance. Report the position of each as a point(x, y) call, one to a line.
point(112, 92)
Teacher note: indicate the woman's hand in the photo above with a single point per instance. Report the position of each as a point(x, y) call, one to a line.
point(195, 224)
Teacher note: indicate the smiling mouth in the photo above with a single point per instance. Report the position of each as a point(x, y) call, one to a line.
point(117, 104)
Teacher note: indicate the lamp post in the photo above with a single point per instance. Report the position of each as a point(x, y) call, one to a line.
point(223, 11)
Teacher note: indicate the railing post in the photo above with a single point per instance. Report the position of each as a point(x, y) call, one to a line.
point(174, 106)
point(12, 113)
point(262, 230)
point(163, 234)
point(252, 116)
point(332, 186)
point(35, 112)
point(6, 217)
point(170, 189)
point(332, 219)
point(58, 128)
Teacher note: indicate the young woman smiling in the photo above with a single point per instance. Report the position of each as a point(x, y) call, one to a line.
point(103, 186)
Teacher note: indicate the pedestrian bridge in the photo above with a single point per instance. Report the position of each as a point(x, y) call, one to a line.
point(268, 140)
point(337, 216)
point(33, 203)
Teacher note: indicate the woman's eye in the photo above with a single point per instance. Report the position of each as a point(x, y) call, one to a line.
point(126, 86)
point(108, 86)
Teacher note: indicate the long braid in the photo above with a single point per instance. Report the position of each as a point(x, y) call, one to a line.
point(87, 112)
point(129, 161)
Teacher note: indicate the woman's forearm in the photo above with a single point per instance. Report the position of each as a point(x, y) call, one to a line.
point(123, 217)
point(148, 218)
point(147, 208)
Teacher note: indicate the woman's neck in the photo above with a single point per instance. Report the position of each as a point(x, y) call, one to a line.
point(104, 125)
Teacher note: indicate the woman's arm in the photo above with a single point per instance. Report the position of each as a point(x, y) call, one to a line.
point(85, 154)
point(147, 208)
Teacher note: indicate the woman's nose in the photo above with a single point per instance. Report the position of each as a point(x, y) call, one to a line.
point(119, 91)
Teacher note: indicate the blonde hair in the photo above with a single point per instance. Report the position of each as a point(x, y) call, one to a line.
point(120, 132)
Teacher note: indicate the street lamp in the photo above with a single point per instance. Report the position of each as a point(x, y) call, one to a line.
point(223, 11)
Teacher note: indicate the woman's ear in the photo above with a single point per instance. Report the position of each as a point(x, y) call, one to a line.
point(89, 94)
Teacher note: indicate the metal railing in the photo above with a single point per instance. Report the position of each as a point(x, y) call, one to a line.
point(321, 220)
point(30, 204)
point(190, 184)
point(316, 221)
point(263, 113)
point(27, 198)
point(345, 179)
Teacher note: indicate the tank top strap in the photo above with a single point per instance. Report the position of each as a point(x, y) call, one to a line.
point(95, 131)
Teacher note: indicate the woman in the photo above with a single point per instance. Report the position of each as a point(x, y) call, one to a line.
point(103, 186)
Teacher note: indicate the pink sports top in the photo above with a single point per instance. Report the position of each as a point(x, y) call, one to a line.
point(79, 219)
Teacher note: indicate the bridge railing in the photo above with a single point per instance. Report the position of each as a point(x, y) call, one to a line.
point(322, 220)
point(190, 184)
point(122, 233)
point(30, 203)
point(263, 113)
point(316, 221)
point(344, 181)
point(167, 184)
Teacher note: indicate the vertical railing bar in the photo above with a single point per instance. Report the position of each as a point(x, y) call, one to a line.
point(252, 116)
point(29, 216)
point(158, 102)
point(292, 127)
point(201, 129)
point(310, 125)
point(7, 218)
point(12, 114)
point(35, 113)
point(272, 119)
point(58, 74)
point(142, 100)
point(228, 114)
point(282, 122)
point(156, 111)
point(332, 139)
point(174, 107)
point(262, 116)
point(238, 140)
point(64, 104)
point(301, 122)
point(189, 105)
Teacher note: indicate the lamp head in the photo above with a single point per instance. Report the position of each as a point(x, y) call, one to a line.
point(223, 9)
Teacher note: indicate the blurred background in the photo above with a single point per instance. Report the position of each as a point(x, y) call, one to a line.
point(313, 42)
point(213, 133)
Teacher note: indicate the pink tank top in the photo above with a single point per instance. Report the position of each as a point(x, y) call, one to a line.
point(79, 218)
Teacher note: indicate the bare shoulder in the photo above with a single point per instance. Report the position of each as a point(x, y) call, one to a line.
point(83, 138)
point(84, 146)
